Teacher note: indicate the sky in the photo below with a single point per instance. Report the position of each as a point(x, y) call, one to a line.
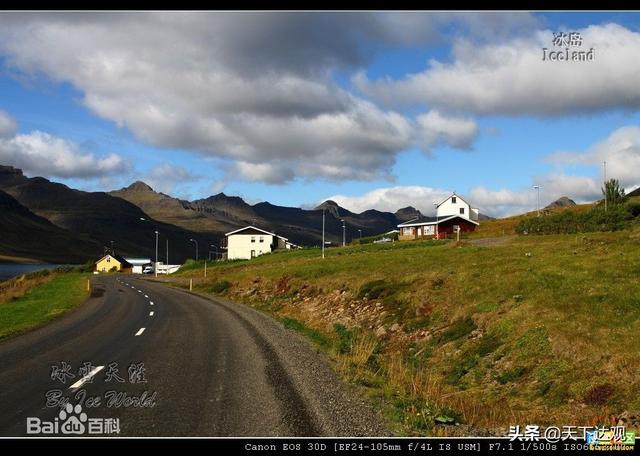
point(374, 110)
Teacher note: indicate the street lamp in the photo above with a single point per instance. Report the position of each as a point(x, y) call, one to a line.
point(155, 267)
point(215, 247)
point(196, 242)
point(437, 231)
point(344, 233)
point(323, 233)
point(604, 163)
point(360, 232)
point(537, 187)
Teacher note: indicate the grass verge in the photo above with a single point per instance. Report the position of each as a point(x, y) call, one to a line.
point(43, 302)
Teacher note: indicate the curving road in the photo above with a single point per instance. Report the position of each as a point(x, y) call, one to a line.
point(211, 368)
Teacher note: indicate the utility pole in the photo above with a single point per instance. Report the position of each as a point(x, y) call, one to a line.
point(323, 233)
point(167, 254)
point(155, 267)
point(112, 251)
point(605, 186)
point(344, 234)
point(537, 187)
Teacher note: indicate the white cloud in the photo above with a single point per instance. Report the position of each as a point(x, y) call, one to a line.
point(166, 177)
point(43, 154)
point(390, 199)
point(251, 88)
point(505, 202)
point(509, 77)
point(39, 153)
point(436, 128)
point(621, 151)
point(263, 172)
point(8, 126)
point(495, 203)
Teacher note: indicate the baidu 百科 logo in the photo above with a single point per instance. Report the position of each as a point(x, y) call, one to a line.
point(73, 421)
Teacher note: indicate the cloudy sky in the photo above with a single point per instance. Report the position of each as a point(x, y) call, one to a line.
point(373, 110)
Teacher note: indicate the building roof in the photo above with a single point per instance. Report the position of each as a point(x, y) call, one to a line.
point(257, 229)
point(118, 258)
point(457, 196)
point(138, 261)
point(419, 221)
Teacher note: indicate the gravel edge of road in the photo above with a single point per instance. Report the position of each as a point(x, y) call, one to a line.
point(339, 408)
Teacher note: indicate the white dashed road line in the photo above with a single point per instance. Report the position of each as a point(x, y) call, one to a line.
point(87, 377)
point(150, 302)
point(146, 296)
point(140, 331)
point(151, 313)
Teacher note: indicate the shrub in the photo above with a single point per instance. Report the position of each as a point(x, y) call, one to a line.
point(458, 329)
point(220, 286)
point(596, 219)
point(380, 289)
point(346, 338)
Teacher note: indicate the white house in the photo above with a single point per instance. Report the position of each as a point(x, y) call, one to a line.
point(456, 205)
point(250, 242)
point(453, 215)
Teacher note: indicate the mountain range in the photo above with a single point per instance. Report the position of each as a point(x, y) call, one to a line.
point(50, 221)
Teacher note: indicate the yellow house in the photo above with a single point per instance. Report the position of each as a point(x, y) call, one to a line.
point(110, 263)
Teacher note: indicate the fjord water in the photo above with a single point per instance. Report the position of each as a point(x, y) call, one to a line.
point(8, 270)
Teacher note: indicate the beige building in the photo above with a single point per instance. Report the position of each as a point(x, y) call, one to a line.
point(250, 242)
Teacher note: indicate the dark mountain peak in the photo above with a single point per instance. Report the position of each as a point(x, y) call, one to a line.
point(407, 213)
point(333, 208)
point(327, 204)
point(561, 202)
point(10, 170)
point(223, 198)
point(139, 186)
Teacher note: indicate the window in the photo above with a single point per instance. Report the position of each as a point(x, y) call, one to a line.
point(253, 239)
point(453, 199)
point(108, 259)
point(253, 254)
point(261, 238)
point(462, 210)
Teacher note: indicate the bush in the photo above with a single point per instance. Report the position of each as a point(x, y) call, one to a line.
point(346, 338)
point(220, 286)
point(597, 219)
point(458, 329)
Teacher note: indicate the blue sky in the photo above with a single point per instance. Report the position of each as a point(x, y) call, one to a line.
point(373, 110)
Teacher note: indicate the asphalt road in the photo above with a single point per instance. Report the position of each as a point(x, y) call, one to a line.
point(210, 368)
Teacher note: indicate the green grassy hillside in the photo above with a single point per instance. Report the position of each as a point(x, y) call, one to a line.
point(537, 330)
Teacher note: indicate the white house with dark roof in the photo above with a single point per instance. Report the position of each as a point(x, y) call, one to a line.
point(452, 215)
point(250, 242)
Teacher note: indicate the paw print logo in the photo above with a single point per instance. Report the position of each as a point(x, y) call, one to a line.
point(74, 419)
